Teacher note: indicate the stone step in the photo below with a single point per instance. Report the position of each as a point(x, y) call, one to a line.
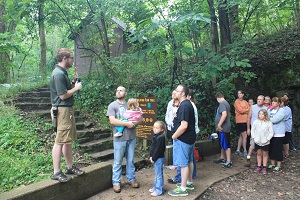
point(42, 89)
point(139, 163)
point(87, 135)
point(46, 114)
point(103, 155)
point(35, 94)
point(33, 106)
point(97, 145)
point(79, 125)
point(32, 100)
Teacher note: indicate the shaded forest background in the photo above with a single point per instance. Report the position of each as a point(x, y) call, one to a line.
point(208, 45)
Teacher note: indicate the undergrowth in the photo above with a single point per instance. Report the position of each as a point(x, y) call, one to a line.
point(25, 157)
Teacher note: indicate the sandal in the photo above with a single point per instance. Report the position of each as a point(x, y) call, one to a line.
point(154, 194)
point(61, 177)
point(151, 190)
point(74, 170)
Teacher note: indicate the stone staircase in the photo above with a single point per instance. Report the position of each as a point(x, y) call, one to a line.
point(95, 141)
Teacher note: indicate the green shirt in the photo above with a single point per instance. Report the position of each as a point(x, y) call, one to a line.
point(60, 84)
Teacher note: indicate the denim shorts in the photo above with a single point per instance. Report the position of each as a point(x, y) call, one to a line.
point(182, 153)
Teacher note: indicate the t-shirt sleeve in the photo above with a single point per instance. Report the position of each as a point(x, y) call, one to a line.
point(110, 110)
point(222, 108)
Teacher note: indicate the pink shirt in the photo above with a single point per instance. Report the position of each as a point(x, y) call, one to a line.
point(133, 115)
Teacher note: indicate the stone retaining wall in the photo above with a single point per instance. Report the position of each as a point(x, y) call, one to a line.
point(96, 179)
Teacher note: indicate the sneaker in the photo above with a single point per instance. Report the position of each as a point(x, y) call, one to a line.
point(245, 154)
point(258, 169)
point(118, 134)
point(247, 163)
point(117, 188)
point(286, 155)
point(238, 153)
point(74, 170)
point(294, 150)
point(61, 177)
point(227, 165)
point(277, 170)
point(270, 168)
point(263, 170)
point(220, 161)
point(188, 186)
point(172, 181)
point(178, 192)
point(134, 184)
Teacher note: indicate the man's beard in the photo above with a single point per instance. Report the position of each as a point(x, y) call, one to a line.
point(121, 98)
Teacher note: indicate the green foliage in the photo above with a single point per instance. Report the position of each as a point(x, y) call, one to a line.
point(23, 153)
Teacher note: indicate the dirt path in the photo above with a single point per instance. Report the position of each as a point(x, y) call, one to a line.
point(207, 172)
point(249, 185)
point(215, 182)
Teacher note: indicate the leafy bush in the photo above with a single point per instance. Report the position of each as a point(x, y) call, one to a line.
point(24, 154)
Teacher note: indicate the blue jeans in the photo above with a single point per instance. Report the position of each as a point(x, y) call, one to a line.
point(195, 168)
point(121, 149)
point(159, 176)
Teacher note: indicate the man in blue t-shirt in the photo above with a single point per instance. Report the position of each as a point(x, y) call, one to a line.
point(184, 137)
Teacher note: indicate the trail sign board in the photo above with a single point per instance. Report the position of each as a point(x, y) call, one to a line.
point(149, 107)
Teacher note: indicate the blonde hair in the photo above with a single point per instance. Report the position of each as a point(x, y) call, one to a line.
point(265, 112)
point(133, 104)
point(162, 125)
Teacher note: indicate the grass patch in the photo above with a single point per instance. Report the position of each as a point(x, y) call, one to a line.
point(25, 156)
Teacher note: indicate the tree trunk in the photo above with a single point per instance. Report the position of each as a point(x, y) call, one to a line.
point(42, 37)
point(224, 25)
point(297, 13)
point(214, 33)
point(4, 56)
point(258, 26)
point(105, 37)
point(234, 21)
point(214, 26)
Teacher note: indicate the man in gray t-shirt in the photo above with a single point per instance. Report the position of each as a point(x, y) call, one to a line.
point(222, 122)
point(124, 145)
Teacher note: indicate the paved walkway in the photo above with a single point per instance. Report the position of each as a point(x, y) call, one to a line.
point(207, 173)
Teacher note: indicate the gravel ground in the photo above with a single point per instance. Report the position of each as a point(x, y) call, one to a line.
point(249, 185)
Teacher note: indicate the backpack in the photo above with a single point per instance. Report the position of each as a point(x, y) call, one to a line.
point(198, 154)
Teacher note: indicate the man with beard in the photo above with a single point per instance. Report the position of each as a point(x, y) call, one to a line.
point(124, 145)
point(184, 137)
point(61, 91)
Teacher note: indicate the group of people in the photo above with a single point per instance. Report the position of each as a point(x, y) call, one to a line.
point(181, 128)
point(269, 126)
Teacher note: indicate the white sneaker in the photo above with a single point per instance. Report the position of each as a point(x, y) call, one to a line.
point(118, 134)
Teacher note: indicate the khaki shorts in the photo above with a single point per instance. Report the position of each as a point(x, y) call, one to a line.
point(252, 144)
point(66, 127)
